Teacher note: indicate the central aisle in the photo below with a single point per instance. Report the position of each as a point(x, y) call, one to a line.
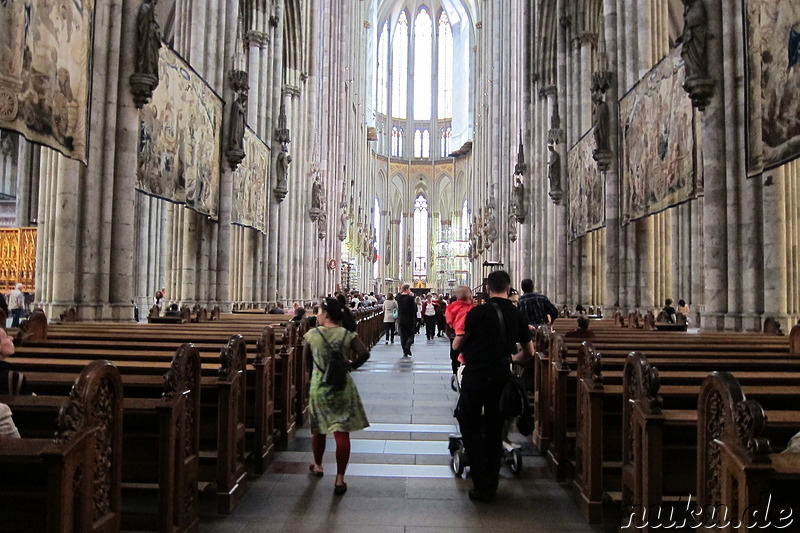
point(399, 476)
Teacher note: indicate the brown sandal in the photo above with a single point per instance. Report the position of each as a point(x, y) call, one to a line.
point(312, 471)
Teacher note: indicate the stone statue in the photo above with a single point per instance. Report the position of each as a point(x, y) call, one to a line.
point(149, 39)
point(520, 201)
point(342, 235)
point(553, 168)
point(238, 122)
point(281, 172)
point(322, 225)
point(602, 117)
point(695, 28)
point(316, 194)
point(512, 223)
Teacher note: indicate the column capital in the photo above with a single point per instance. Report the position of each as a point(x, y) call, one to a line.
point(258, 38)
point(291, 90)
point(587, 38)
point(548, 90)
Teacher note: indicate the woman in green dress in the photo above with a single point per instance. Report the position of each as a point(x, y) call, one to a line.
point(330, 410)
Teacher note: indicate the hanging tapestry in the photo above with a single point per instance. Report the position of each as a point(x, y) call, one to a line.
point(45, 50)
point(179, 138)
point(587, 189)
point(249, 207)
point(659, 159)
point(773, 88)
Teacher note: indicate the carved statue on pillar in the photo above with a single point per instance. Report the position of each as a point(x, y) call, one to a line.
point(283, 158)
point(694, 38)
point(342, 234)
point(316, 199)
point(512, 223)
point(144, 79)
point(554, 174)
point(602, 120)
point(520, 201)
point(491, 222)
point(322, 225)
point(238, 119)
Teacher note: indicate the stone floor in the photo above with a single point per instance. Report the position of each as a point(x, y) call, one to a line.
point(399, 476)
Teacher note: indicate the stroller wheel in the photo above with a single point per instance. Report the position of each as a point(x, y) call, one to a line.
point(515, 461)
point(459, 462)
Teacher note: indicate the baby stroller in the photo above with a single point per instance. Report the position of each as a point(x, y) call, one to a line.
point(512, 452)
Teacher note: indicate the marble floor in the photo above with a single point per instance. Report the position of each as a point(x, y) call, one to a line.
point(399, 476)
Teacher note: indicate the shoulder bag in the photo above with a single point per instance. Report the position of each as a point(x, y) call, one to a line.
point(514, 399)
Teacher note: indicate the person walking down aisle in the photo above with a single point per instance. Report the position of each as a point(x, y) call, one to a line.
point(330, 410)
point(389, 316)
point(535, 307)
point(406, 318)
point(16, 304)
point(429, 314)
point(491, 332)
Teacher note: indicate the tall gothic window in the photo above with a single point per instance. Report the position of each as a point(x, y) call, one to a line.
point(418, 143)
point(445, 90)
point(426, 144)
point(400, 67)
point(383, 70)
point(422, 74)
point(420, 236)
point(397, 142)
point(444, 142)
point(376, 222)
point(423, 67)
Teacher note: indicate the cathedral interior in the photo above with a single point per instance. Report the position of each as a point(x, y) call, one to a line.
point(243, 153)
point(222, 159)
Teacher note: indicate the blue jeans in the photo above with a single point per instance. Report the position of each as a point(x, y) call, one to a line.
point(16, 314)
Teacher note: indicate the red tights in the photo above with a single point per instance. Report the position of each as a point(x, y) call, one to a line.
point(342, 439)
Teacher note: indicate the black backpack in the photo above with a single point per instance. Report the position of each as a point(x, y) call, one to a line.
point(335, 373)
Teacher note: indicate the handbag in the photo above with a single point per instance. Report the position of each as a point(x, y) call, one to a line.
point(514, 398)
point(335, 373)
point(394, 313)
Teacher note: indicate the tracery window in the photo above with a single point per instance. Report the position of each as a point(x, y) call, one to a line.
point(400, 68)
point(419, 71)
point(420, 236)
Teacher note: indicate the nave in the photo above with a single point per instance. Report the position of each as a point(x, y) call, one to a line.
point(399, 476)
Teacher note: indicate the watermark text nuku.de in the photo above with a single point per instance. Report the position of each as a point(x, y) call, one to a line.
point(679, 515)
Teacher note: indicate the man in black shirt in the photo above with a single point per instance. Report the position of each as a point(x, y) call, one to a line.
point(406, 318)
point(487, 346)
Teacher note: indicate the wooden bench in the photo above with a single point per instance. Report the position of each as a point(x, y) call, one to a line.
point(222, 410)
point(736, 462)
point(72, 482)
point(160, 446)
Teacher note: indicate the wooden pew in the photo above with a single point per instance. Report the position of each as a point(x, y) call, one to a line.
point(223, 409)
point(736, 463)
point(72, 482)
point(659, 445)
point(597, 455)
point(160, 445)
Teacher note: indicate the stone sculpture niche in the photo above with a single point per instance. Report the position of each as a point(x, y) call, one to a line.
point(238, 119)
point(601, 81)
point(144, 79)
point(698, 84)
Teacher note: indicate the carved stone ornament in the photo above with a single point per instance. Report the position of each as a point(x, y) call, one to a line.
point(238, 119)
point(698, 84)
point(282, 159)
point(601, 81)
point(322, 225)
point(512, 223)
point(520, 201)
point(144, 79)
point(554, 174)
point(316, 200)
